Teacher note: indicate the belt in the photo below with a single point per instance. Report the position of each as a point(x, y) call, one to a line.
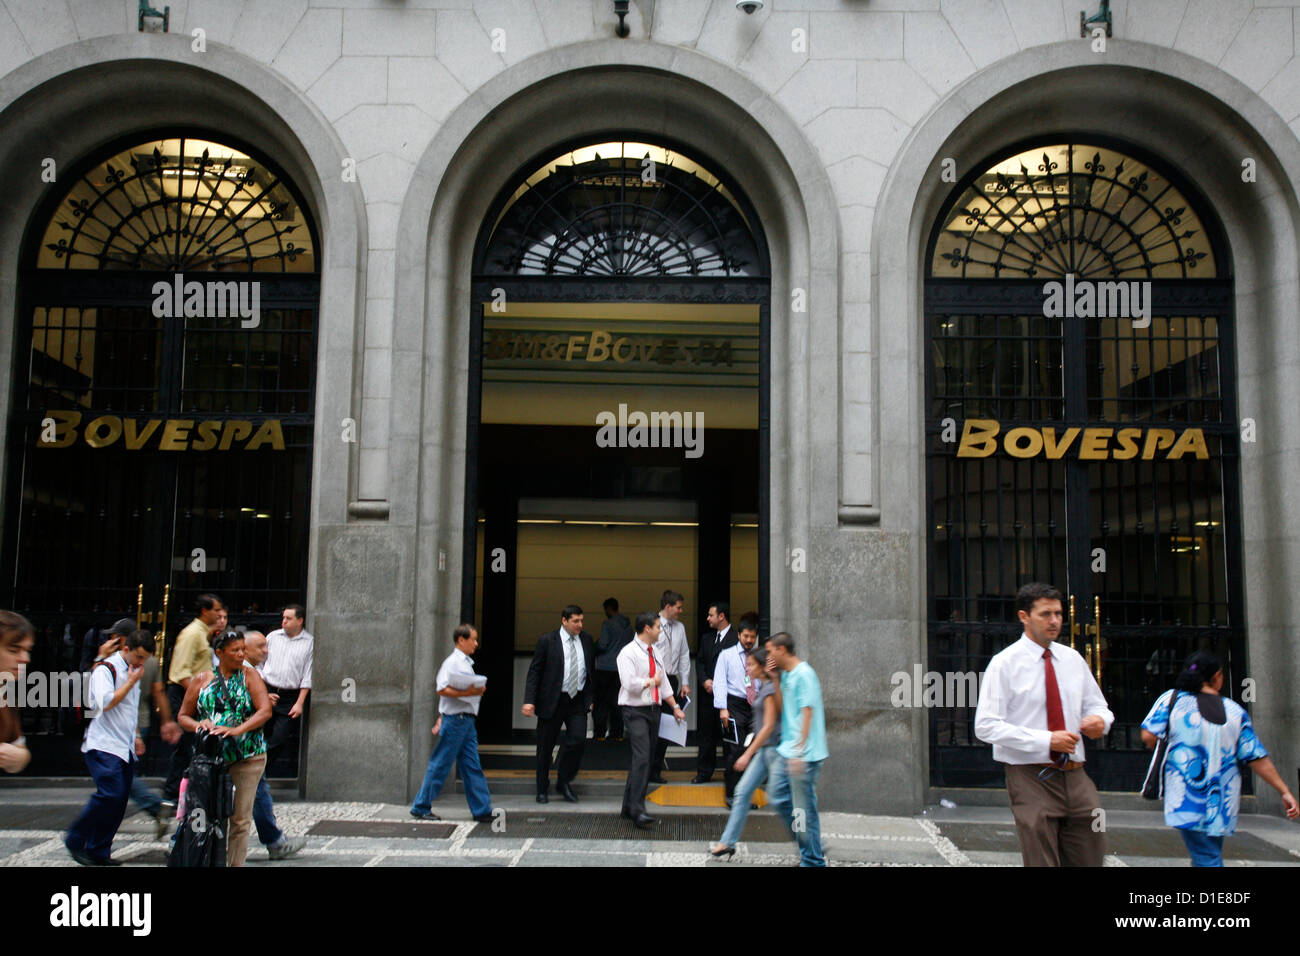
point(1069, 765)
point(470, 716)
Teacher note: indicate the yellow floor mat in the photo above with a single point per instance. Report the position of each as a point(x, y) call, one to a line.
point(696, 795)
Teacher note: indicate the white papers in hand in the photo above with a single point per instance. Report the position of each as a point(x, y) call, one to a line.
point(671, 730)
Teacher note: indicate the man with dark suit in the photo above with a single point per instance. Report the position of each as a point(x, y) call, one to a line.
point(708, 730)
point(559, 691)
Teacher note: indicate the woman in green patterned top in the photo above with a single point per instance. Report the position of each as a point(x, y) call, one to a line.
point(232, 703)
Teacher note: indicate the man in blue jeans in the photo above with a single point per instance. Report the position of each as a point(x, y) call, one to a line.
point(279, 845)
point(798, 762)
point(460, 692)
point(110, 750)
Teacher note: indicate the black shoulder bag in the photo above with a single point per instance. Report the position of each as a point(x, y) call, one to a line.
point(1153, 787)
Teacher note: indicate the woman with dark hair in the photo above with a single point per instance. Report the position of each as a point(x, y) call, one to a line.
point(754, 761)
point(232, 702)
point(1209, 735)
point(16, 639)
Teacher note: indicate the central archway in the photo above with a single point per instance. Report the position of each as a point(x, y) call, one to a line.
point(514, 120)
point(615, 279)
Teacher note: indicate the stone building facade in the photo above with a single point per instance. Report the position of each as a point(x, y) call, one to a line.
point(847, 124)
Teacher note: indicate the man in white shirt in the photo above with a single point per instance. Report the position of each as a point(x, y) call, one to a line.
point(279, 845)
point(287, 673)
point(458, 703)
point(643, 688)
point(733, 699)
point(1036, 698)
point(110, 750)
point(675, 651)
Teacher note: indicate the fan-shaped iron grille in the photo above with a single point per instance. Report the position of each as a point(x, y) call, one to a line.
point(1074, 208)
point(179, 205)
point(641, 212)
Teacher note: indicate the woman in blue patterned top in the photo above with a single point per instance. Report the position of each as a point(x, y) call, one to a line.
point(1208, 736)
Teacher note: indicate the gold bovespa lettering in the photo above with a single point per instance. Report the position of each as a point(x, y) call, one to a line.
point(1096, 444)
point(1157, 439)
point(598, 350)
point(206, 436)
point(1055, 450)
point(235, 428)
point(135, 441)
point(65, 429)
point(95, 440)
point(1128, 446)
point(978, 438)
point(1193, 440)
point(1012, 442)
point(268, 431)
point(176, 434)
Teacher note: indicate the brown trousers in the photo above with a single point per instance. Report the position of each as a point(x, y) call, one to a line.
point(1055, 818)
point(246, 773)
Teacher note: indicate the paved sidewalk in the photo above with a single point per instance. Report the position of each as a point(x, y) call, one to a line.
point(592, 833)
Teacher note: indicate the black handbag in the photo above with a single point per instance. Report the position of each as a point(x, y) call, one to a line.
point(1153, 787)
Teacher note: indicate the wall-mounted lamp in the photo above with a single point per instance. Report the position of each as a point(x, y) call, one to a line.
point(1100, 17)
point(165, 15)
point(620, 8)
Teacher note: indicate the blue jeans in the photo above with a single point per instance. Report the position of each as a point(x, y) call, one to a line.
point(1205, 850)
point(795, 799)
point(459, 745)
point(93, 831)
point(268, 831)
point(144, 798)
point(753, 777)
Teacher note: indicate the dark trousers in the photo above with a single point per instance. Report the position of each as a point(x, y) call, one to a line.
point(570, 715)
point(606, 712)
point(708, 734)
point(94, 829)
point(279, 728)
point(642, 725)
point(743, 715)
point(661, 746)
point(1054, 817)
point(184, 747)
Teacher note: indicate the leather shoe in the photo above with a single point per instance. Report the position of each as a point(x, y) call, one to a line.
point(543, 798)
point(426, 815)
point(485, 818)
point(84, 858)
point(625, 814)
point(657, 778)
point(567, 793)
point(701, 778)
point(645, 821)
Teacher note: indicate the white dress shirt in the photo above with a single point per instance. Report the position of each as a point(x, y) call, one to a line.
point(576, 640)
point(1012, 711)
point(673, 649)
point(633, 667)
point(113, 731)
point(288, 659)
point(457, 662)
point(730, 677)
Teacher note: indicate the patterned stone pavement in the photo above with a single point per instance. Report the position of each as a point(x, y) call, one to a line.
point(378, 834)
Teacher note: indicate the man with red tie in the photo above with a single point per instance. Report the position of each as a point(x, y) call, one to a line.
point(1036, 698)
point(643, 688)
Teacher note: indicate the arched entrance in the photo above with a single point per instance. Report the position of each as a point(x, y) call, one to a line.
point(160, 435)
point(1081, 428)
point(613, 277)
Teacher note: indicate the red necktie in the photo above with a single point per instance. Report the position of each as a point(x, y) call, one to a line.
point(657, 686)
point(1055, 715)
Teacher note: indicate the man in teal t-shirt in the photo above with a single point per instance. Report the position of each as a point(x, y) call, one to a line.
point(803, 747)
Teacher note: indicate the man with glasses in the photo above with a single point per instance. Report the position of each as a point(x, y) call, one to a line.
point(1036, 698)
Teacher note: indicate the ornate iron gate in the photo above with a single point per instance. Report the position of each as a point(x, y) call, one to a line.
point(1083, 433)
point(159, 444)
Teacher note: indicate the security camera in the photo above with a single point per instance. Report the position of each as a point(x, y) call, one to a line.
point(749, 6)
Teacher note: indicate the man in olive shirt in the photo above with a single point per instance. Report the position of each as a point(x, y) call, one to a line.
point(190, 656)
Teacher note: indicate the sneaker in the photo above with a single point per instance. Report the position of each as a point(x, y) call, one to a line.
point(425, 815)
point(286, 848)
